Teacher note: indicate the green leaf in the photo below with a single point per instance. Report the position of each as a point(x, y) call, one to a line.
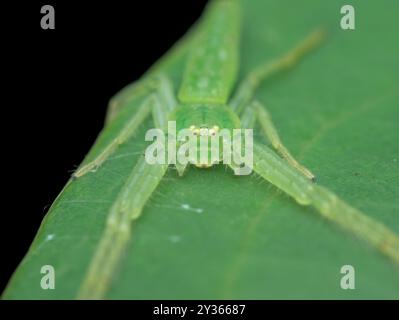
point(211, 234)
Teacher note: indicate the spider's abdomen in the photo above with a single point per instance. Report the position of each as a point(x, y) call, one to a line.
point(212, 64)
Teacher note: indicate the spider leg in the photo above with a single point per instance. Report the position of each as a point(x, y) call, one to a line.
point(287, 177)
point(128, 206)
point(275, 170)
point(160, 103)
point(129, 94)
point(181, 168)
point(246, 89)
point(256, 111)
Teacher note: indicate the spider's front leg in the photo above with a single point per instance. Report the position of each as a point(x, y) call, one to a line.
point(128, 206)
point(277, 171)
point(257, 111)
point(292, 181)
point(160, 102)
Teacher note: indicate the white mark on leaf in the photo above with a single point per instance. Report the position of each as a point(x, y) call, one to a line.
point(187, 207)
point(174, 238)
point(50, 237)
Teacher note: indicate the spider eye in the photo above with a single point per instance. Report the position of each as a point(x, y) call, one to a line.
point(194, 130)
point(204, 132)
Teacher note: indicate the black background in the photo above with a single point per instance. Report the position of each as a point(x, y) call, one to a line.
point(56, 89)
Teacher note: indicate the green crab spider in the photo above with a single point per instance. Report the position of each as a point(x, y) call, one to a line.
point(203, 101)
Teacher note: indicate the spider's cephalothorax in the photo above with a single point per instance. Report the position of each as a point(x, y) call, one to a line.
point(207, 122)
